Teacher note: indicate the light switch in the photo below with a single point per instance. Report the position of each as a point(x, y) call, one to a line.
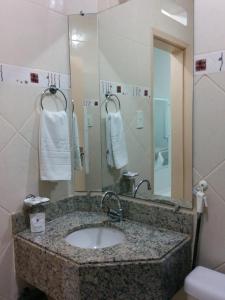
point(90, 120)
point(139, 119)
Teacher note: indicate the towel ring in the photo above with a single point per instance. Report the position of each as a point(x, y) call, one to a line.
point(52, 90)
point(109, 97)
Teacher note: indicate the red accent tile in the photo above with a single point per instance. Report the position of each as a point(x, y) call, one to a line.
point(34, 78)
point(200, 65)
point(146, 93)
point(118, 89)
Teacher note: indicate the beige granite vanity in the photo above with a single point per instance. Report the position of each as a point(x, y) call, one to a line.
point(150, 264)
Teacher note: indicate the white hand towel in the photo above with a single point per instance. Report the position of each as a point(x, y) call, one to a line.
point(109, 153)
point(76, 143)
point(86, 142)
point(119, 148)
point(54, 147)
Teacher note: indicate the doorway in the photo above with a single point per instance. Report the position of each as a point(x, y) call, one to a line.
point(168, 119)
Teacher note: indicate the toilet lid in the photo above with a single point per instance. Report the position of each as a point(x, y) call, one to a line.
point(205, 284)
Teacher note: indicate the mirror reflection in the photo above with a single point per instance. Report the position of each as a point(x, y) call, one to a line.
point(132, 89)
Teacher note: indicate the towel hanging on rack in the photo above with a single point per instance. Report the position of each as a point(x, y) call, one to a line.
point(54, 147)
point(116, 152)
point(54, 142)
point(75, 141)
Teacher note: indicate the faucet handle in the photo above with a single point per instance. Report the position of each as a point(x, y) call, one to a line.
point(116, 214)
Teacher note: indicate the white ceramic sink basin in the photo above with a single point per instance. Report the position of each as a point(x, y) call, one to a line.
point(96, 237)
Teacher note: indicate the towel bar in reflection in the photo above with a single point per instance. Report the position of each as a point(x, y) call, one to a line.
point(112, 98)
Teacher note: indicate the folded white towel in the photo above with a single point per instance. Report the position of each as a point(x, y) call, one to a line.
point(109, 153)
point(76, 143)
point(54, 146)
point(86, 142)
point(116, 148)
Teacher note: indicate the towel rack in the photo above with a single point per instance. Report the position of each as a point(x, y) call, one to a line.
point(110, 97)
point(52, 90)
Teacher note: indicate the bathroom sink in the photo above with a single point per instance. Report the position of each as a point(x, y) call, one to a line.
point(95, 238)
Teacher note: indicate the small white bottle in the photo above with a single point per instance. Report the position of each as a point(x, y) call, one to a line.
point(37, 222)
point(37, 219)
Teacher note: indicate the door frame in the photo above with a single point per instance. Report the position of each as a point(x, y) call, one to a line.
point(182, 55)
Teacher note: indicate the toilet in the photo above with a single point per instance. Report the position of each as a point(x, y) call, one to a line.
point(205, 284)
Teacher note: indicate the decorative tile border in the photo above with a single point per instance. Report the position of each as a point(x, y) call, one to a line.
point(124, 89)
point(207, 63)
point(36, 77)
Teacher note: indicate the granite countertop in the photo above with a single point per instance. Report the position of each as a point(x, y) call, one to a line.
point(143, 242)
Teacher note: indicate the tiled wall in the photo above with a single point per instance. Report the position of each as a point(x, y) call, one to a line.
point(209, 132)
point(209, 129)
point(35, 37)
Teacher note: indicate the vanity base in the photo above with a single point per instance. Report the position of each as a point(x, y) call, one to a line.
point(62, 279)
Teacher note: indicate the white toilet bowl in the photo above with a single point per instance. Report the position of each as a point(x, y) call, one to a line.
point(205, 284)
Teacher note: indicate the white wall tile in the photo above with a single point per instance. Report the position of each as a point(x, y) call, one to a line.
point(19, 164)
point(17, 103)
point(219, 79)
point(33, 37)
point(6, 132)
point(6, 231)
point(8, 287)
point(209, 132)
point(212, 242)
point(30, 130)
point(216, 180)
point(36, 38)
point(209, 26)
point(196, 177)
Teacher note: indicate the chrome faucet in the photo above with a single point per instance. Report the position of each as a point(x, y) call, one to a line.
point(115, 215)
point(140, 184)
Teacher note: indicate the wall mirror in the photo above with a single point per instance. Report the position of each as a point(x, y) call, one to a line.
point(132, 86)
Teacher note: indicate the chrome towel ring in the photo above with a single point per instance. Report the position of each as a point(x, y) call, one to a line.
point(113, 98)
point(52, 90)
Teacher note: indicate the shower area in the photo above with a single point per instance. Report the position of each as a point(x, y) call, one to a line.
point(162, 122)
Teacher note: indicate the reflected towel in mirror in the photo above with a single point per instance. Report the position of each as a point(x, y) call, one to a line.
point(86, 142)
point(54, 146)
point(76, 144)
point(115, 138)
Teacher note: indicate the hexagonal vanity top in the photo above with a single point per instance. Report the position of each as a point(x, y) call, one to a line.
point(143, 242)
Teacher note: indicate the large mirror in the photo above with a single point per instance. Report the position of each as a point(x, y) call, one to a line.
point(132, 86)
